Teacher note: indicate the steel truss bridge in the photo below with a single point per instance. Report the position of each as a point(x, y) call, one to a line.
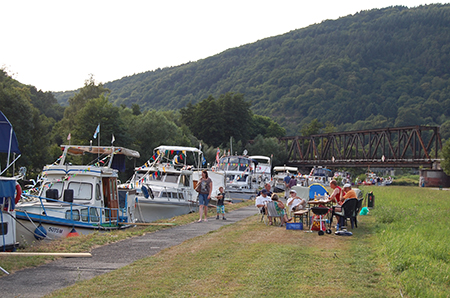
point(410, 146)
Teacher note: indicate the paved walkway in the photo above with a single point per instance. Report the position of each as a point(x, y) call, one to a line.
point(42, 280)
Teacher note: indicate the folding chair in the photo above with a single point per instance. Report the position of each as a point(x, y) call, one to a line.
point(349, 208)
point(273, 213)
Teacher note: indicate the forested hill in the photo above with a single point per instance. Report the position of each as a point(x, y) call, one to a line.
point(392, 63)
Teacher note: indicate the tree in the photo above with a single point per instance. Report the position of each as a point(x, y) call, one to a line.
point(445, 164)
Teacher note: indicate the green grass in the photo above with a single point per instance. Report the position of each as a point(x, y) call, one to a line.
point(399, 249)
point(84, 243)
point(413, 228)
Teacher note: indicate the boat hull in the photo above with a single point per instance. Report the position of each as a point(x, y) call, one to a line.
point(148, 210)
point(33, 227)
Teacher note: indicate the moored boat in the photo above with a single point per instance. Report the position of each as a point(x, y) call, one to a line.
point(280, 172)
point(238, 171)
point(10, 190)
point(165, 184)
point(78, 199)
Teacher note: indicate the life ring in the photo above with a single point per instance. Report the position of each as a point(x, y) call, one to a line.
point(18, 193)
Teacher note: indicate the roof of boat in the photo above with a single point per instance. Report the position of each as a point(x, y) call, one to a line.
point(7, 136)
point(260, 157)
point(79, 150)
point(285, 168)
point(177, 148)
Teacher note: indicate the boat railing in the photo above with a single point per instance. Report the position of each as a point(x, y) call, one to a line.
point(84, 213)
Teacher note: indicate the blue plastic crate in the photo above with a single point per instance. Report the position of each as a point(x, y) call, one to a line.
point(294, 226)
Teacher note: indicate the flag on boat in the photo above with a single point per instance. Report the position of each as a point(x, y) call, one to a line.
point(217, 155)
point(204, 160)
point(113, 139)
point(97, 131)
point(69, 136)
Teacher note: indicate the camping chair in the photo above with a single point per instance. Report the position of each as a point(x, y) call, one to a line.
point(349, 211)
point(262, 211)
point(273, 213)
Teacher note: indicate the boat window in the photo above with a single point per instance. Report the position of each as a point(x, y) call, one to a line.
point(3, 228)
point(174, 195)
point(75, 215)
point(84, 214)
point(181, 196)
point(53, 185)
point(81, 191)
point(93, 212)
point(171, 177)
point(165, 194)
point(184, 180)
point(98, 192)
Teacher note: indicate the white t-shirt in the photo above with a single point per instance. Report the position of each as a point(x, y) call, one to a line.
point(295, 202)
point(260, 200)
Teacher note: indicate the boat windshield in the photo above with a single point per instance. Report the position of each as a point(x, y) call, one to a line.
point(234, 163)
point(81, 190)
point(59, 185)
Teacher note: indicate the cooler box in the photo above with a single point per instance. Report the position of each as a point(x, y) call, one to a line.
point(294, 226)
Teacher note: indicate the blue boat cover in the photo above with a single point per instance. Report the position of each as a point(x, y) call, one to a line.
point(8, 140)
point(7, 190)
point(316, 189)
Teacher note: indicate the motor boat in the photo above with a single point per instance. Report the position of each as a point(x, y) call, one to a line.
point(165, 184)
point(10, 190)
point(78, 199)
point(280, 172)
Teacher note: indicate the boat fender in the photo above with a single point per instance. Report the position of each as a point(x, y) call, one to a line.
point(73, 233)
point(145, 191)
point(40, 232)
point(18, 193)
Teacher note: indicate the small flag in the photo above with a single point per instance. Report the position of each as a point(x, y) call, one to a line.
point(204, 160)
point(113, 139)
point(97, 131)
point(217, 155)
point(69, 136)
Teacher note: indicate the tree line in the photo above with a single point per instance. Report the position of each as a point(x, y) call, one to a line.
point(377, 68)
point(42, 124)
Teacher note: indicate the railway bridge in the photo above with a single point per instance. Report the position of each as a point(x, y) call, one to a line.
point(411, 146)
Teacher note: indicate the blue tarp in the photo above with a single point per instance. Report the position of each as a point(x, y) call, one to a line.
point(8, 140)
point(7, 190)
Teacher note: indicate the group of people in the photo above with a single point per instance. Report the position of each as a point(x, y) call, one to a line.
point(294, 203)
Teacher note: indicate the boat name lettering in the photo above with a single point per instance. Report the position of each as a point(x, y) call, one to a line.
point(55, 230)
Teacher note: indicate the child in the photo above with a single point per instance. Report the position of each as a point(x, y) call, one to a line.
point(220, 205)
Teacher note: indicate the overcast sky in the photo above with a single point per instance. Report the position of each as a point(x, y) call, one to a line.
point(56, 45)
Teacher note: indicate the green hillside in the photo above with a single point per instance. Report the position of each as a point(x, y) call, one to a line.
point(391, 63)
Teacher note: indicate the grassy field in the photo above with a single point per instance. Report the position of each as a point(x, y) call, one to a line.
point(399, 250)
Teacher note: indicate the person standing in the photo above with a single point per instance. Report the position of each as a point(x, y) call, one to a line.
point(220, 208)
point(204, 187)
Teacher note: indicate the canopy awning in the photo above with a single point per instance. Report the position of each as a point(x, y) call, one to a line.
point(8, 140)
point(165, 148)
point(79, 150)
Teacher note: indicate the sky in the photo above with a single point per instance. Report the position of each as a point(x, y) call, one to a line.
point(58, 45)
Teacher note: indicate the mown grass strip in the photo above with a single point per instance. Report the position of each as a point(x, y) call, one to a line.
point(249, 259)
point(85, 243)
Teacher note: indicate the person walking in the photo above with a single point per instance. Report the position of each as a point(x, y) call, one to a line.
point(204, 187)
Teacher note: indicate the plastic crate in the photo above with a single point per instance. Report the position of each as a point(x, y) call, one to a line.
point(294, 226)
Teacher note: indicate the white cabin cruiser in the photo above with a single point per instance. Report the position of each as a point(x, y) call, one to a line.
point(165, 184)
point(78, 199)
point(239, 173)
point(262, 173)
point(9, 188)
point(280, 172)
